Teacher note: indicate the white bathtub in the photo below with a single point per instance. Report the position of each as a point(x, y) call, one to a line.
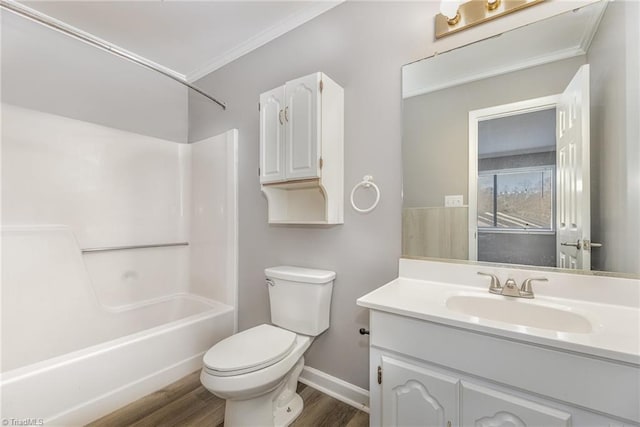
point(68, 357)
point(80, 386)
point(82, 335)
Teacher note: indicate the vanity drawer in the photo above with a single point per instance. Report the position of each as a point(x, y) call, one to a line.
point(590, 382)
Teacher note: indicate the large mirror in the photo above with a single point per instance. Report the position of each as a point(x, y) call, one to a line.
point(524, 148)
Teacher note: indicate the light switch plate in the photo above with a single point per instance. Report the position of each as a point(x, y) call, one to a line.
point(453, 201)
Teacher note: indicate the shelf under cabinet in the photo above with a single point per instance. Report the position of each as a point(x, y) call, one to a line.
point(300, 202)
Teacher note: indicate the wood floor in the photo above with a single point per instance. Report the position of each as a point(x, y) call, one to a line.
point(187, 403)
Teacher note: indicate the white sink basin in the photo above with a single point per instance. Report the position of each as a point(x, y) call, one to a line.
point(520, 312)
point(598, 316)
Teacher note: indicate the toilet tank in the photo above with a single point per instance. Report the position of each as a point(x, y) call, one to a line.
point(300, 298)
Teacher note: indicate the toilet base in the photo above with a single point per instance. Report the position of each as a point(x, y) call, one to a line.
point(285, 415)
point(277, 408)
point(260, 412)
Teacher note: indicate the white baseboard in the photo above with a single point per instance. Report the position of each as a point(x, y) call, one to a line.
point(336, 388)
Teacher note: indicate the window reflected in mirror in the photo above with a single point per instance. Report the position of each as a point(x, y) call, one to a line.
point(516, 199)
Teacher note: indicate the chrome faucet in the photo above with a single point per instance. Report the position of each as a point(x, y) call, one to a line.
point(510, 288)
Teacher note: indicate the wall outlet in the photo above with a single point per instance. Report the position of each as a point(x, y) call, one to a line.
point(453, 201)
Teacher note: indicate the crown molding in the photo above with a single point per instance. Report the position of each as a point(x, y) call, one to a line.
point(288, 24)
point(497, 71)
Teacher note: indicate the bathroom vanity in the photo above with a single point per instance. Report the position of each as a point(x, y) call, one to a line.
point(446, 352)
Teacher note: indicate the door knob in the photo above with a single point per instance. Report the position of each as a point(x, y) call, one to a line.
point(577, 245)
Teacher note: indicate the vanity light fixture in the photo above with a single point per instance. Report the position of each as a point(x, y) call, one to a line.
point(493, 4)
point(449, 9)
point(455, 16)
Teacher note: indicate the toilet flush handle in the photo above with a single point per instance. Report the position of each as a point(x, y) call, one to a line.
point(270, 282)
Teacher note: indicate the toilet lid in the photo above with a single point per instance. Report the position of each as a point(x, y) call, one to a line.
point(250, 350)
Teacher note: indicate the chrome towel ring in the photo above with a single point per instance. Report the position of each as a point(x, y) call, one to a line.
point(367, 182)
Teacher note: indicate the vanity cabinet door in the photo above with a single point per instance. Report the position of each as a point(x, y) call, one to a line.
point(302, 123)
point(485, 407)
point(272, 137)
point(413, 395)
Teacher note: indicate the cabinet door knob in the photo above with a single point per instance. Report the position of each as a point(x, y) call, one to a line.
point(280, 117)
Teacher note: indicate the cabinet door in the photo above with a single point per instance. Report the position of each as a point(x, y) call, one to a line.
point(484, 407)
point(302, 116)
point(414, 396)
point(272, 138)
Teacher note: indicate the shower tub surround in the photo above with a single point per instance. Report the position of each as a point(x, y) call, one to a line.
point(86, 333)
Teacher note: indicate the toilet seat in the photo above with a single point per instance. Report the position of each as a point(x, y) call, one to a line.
point(249, 351)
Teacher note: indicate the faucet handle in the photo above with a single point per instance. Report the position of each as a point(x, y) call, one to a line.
point(526, 285)
point(495, 285)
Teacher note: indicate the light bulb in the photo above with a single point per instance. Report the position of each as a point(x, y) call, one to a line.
point(449, 8)
point(493, 4)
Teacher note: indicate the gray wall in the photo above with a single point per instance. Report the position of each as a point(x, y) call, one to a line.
point(615, 139)
point(47, 71)
point(435, 127)
point(362, 46)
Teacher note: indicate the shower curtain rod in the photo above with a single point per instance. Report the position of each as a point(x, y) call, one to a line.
point(33, 15)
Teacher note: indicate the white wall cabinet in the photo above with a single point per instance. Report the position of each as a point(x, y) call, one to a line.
point(448, 382)
point(272, 136)
point(303, 122)
point(301, 151)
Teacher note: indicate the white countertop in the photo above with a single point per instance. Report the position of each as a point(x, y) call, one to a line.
point(615, 334)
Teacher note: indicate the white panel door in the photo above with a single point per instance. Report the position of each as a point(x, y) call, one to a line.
point(484, 407)
point(302, 117)
point(415, 396)
point(573, 178)
point(272, 137)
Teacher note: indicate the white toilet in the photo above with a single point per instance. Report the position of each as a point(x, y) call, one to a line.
point(257, 370)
